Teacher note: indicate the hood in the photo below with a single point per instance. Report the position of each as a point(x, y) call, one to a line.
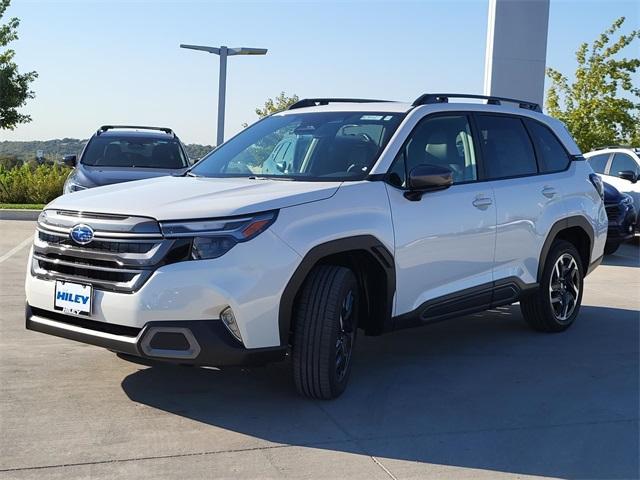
point(176, 198)
point(98, 176)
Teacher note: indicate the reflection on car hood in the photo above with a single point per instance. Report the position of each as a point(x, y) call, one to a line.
point(169, 198)
point(98, 176)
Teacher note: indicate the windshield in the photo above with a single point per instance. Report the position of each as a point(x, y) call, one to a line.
point(131, 151)
point(319, 146)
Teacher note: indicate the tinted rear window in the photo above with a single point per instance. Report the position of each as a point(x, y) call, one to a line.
point(506, 147)
point(129, 151)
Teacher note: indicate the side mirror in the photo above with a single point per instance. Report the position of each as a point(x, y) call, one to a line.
point(628, 175)
point(427, 178)
point(70, 160)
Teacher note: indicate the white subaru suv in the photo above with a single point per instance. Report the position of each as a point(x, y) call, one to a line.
point(333, 216)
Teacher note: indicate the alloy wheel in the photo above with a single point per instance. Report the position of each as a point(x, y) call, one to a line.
point(564, 287)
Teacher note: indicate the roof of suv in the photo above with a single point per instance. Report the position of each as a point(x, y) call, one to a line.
point(404, 107)
point(431, 99)
point(135, 133)
point(613, 148)
point(439, 103)
point(392, 107)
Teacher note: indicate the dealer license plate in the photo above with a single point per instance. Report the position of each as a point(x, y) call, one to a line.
point(74, 298)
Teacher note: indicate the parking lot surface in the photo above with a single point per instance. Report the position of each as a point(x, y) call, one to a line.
point(481, 396)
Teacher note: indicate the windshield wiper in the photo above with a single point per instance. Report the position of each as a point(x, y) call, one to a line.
point(275, 177)
point(189, 173)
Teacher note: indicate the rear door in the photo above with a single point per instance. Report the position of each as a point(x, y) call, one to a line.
point(528, 192)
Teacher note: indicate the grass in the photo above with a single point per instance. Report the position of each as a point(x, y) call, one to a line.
point(22, 206)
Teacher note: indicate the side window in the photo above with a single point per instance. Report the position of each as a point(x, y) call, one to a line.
point(506, 147)
point(599, 162)
point(621, 162)
point(443, 140)
point(551, 154)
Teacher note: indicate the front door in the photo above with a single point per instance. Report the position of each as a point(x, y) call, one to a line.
point(445, 241)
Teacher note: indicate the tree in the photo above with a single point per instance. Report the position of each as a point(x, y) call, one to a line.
point(14, 87)
point(275, 105)
point(599, 107)
point(278, 104)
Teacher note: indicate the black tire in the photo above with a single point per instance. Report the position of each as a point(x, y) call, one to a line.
point(611, 248)
point(538, 310)
point(319, 313)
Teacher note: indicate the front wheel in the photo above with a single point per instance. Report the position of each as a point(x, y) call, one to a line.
point(555, 306)
point(326, 320)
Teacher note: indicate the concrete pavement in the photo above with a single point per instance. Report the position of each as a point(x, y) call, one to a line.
point(477, 397)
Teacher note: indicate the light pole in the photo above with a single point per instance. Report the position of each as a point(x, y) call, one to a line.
point(223, 52)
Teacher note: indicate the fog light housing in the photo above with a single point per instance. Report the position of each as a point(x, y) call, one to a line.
point(229, 320)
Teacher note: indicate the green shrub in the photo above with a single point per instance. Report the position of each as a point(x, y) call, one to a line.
point(29, 184)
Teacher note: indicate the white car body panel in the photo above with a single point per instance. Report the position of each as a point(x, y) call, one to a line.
point(524, 218)
point(582, 200)
point(169, 198)
point(441, 249)
point(249, 278)
point(358, 208)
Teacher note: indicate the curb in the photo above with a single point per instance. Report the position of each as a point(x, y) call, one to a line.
point(19, 214)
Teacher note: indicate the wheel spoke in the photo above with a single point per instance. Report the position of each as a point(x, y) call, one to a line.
point(564, 287)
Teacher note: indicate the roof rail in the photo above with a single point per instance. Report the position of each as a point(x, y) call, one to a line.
point(617, 146)
point(314, 102)
point(429, 98)
point(104, 128)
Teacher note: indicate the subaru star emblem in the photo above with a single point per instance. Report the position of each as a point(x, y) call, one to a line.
point(81, 234)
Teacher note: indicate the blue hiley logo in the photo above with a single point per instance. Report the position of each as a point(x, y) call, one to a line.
point(70, 297)
point(81, 234)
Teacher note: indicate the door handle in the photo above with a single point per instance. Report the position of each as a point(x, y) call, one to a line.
point(549, 192)
point(482, 202)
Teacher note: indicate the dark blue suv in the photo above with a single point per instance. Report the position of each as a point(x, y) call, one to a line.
point(119, 153)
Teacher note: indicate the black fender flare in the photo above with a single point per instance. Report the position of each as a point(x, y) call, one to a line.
point(559, 226)
point(367, 243)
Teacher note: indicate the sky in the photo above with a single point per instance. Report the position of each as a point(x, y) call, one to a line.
point(119, 62)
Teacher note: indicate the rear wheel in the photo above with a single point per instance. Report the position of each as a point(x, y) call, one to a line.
point(326, 320)
point(555, 306)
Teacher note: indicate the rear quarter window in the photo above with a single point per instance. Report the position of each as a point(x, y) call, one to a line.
point(552, 156)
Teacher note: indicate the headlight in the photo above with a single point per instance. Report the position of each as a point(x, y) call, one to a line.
point(212, 238)
point(627, 199)
point(70, 186)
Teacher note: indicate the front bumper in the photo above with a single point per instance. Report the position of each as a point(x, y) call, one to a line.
point(622, 222)
point(250, 279)
point(194, 342)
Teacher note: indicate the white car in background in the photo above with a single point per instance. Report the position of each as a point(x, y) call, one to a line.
point(618, 166)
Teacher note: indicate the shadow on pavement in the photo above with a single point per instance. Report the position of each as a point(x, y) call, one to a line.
point(482, 391)
point(619, 259)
